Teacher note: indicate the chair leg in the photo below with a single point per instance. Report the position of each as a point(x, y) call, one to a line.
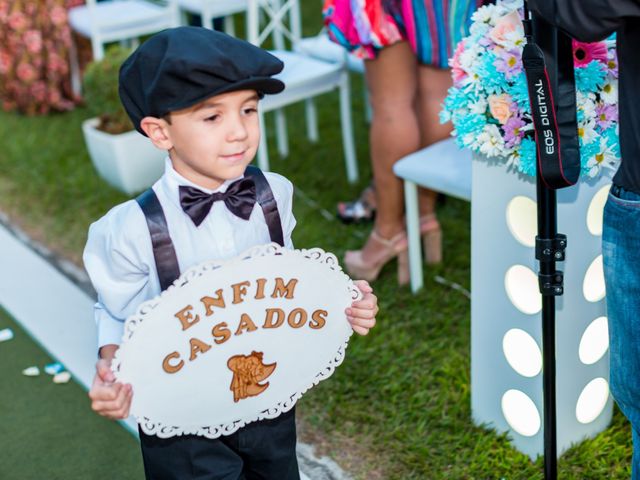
point(207, 20)
point(229, 26)
point(413, 235)
point(98, 49)
point(312, 120)
point(184, 17)
point(281, 133)
point(263, 152)
point(74, 62)
point(347, 129)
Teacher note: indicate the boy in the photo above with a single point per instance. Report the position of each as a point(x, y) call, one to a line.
point(195, 92)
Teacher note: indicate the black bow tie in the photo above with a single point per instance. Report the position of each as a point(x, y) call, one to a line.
point(239, 198)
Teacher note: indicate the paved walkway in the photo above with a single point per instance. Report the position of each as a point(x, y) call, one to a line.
point(49, 298)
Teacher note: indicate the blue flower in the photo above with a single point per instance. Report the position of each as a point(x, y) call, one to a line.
point(470, 123)
point(613, 139)
point(590, 78)
point(456, 99)
point(587, 152)
point(527, 157)
point(492, 80)
point(518, 91)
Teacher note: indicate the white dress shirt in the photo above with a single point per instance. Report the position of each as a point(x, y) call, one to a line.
point(119, 256)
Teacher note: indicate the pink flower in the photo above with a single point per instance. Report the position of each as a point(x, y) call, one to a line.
point(26, 72)
point(606, 115)
point(5, 62)
point(58, 15)
point(17, 21)
point(457, 71)
point(500, 107)
point(4, 10)
point(507, 24)
point(513, 131)
point(585, 53)
point(54, 96)
point(39, 91)
point(33, 41)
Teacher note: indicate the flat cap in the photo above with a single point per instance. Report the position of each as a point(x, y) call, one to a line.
point(182, 66)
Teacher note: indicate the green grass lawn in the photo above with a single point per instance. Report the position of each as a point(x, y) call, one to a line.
point(48, 431)
point(398, 408)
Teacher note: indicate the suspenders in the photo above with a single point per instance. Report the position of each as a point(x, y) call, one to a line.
point(268, 203)
point(164, 253)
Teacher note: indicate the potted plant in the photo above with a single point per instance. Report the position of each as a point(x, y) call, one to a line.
point(123, 157)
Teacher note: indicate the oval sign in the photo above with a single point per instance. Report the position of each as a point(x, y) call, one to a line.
point(235, 341)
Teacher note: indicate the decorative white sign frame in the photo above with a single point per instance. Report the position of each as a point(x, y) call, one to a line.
point(331, 279)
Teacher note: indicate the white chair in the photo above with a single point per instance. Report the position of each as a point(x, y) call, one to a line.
point(118, 20)
point(320, 46)
point(305, 78)
point(210, 9)
point(441, 167)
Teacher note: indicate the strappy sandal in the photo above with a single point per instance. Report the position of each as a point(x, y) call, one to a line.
point(385, 251)
point(362, 210)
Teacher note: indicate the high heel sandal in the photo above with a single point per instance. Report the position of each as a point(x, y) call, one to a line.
point(388, 249)
point(431, 238)
point(361, 210)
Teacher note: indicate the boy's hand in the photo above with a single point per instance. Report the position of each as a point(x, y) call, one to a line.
point(109, 399)
point(362, 313)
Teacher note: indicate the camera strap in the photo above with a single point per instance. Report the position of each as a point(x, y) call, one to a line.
point(555, 123)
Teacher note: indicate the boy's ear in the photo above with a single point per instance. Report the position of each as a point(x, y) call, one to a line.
point(156, 130)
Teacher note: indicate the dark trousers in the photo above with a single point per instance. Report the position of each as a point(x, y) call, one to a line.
point(264, 450)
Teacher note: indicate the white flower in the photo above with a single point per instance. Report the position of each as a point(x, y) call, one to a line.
point(605, 158)
point(483, 14)
point(514, 40)
point(491, 141)
point(479, 107)
point(609, 92)
point(587, 130)
point(588, 106)
point(470, 140)
point(469, 57)
point(513, 161)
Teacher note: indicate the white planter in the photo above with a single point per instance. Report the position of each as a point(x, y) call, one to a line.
point(128, 161)
point(506, 329)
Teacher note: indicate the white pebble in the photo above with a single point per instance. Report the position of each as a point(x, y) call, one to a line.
point(6, 334)
point(62, 377)
point(31, 372)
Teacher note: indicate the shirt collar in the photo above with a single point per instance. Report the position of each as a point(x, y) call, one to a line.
point(172, 180)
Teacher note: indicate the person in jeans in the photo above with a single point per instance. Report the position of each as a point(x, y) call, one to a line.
point(592, 20)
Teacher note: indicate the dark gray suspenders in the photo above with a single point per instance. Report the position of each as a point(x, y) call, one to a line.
point(164, 253)
point(267, 203)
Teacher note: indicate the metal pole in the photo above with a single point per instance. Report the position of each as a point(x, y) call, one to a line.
point(547, 230)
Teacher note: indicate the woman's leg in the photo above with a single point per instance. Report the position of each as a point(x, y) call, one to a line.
point(433, 84)
point(392, 84)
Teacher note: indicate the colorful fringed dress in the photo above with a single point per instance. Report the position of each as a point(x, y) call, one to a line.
point(432, 27)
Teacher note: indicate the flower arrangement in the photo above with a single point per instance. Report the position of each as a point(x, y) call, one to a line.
point(489, 103)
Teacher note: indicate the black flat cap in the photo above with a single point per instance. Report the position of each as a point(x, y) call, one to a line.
point(182, 66)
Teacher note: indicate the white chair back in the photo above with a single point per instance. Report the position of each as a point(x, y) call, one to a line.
point(279, 19)
point(166, 17)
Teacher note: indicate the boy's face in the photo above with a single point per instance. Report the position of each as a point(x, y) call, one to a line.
point(214, 140)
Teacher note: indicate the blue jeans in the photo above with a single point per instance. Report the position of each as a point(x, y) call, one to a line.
point(621, 255)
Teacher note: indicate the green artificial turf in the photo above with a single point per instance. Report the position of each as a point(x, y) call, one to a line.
point(47, 430)
point(398, 408)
